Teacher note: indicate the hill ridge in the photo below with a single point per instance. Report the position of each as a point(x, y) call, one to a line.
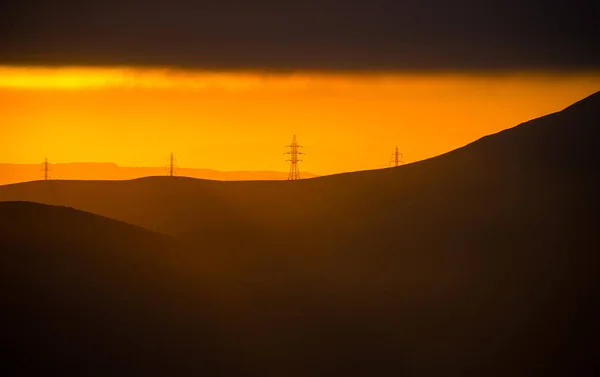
point(21, 205)
point(588, 103)
point(17, 173)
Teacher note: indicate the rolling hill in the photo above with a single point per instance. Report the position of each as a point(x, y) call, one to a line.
point(87, 295)
point(482, 261)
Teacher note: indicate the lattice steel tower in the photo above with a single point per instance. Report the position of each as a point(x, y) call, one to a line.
point(294, 153)
point(46, 169)
point(396, 158)
point(172, 165)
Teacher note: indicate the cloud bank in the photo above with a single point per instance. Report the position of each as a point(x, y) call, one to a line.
point(323, 35)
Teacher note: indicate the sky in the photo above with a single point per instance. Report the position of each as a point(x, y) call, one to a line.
point(225, 85)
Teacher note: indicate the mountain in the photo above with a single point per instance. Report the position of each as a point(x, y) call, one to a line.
point(15, 173)
point(482, 261)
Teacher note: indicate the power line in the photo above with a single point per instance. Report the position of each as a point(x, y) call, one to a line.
point(294, 153)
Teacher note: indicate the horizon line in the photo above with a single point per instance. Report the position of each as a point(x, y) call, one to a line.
point(150, 167)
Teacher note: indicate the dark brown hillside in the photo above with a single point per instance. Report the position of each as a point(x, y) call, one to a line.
point(86, 295)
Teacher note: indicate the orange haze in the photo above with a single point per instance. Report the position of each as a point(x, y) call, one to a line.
point(242, 121)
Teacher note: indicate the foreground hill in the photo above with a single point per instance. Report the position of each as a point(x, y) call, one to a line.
point(15, 173)
point(480, 262)
point(86, 295)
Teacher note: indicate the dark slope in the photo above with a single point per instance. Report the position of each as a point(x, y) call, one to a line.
point(482, 261)
point(86, 295)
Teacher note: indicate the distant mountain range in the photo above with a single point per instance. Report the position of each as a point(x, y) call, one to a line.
point(14, 173)
point(480, 262)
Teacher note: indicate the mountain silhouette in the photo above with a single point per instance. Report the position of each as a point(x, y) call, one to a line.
point(15, 173)
point(479, 262)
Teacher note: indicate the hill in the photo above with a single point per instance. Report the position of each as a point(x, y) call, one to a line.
point(15, 173)
point(478, 262)
point(87, 295)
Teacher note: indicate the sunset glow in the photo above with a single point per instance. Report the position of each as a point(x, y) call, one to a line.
point(242, 121)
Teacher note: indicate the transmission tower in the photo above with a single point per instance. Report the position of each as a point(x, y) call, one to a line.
point(172, 165)
point(46, 169)
point(396, 158)
point(294, 153)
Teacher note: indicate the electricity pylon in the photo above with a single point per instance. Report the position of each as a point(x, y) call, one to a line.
point(396, 158)
point(294, 153)
point(172, 165)
point(46, 169)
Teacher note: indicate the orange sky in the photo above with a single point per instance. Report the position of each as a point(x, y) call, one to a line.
point(242, 121)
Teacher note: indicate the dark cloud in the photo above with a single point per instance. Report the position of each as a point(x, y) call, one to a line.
point(304, 34)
